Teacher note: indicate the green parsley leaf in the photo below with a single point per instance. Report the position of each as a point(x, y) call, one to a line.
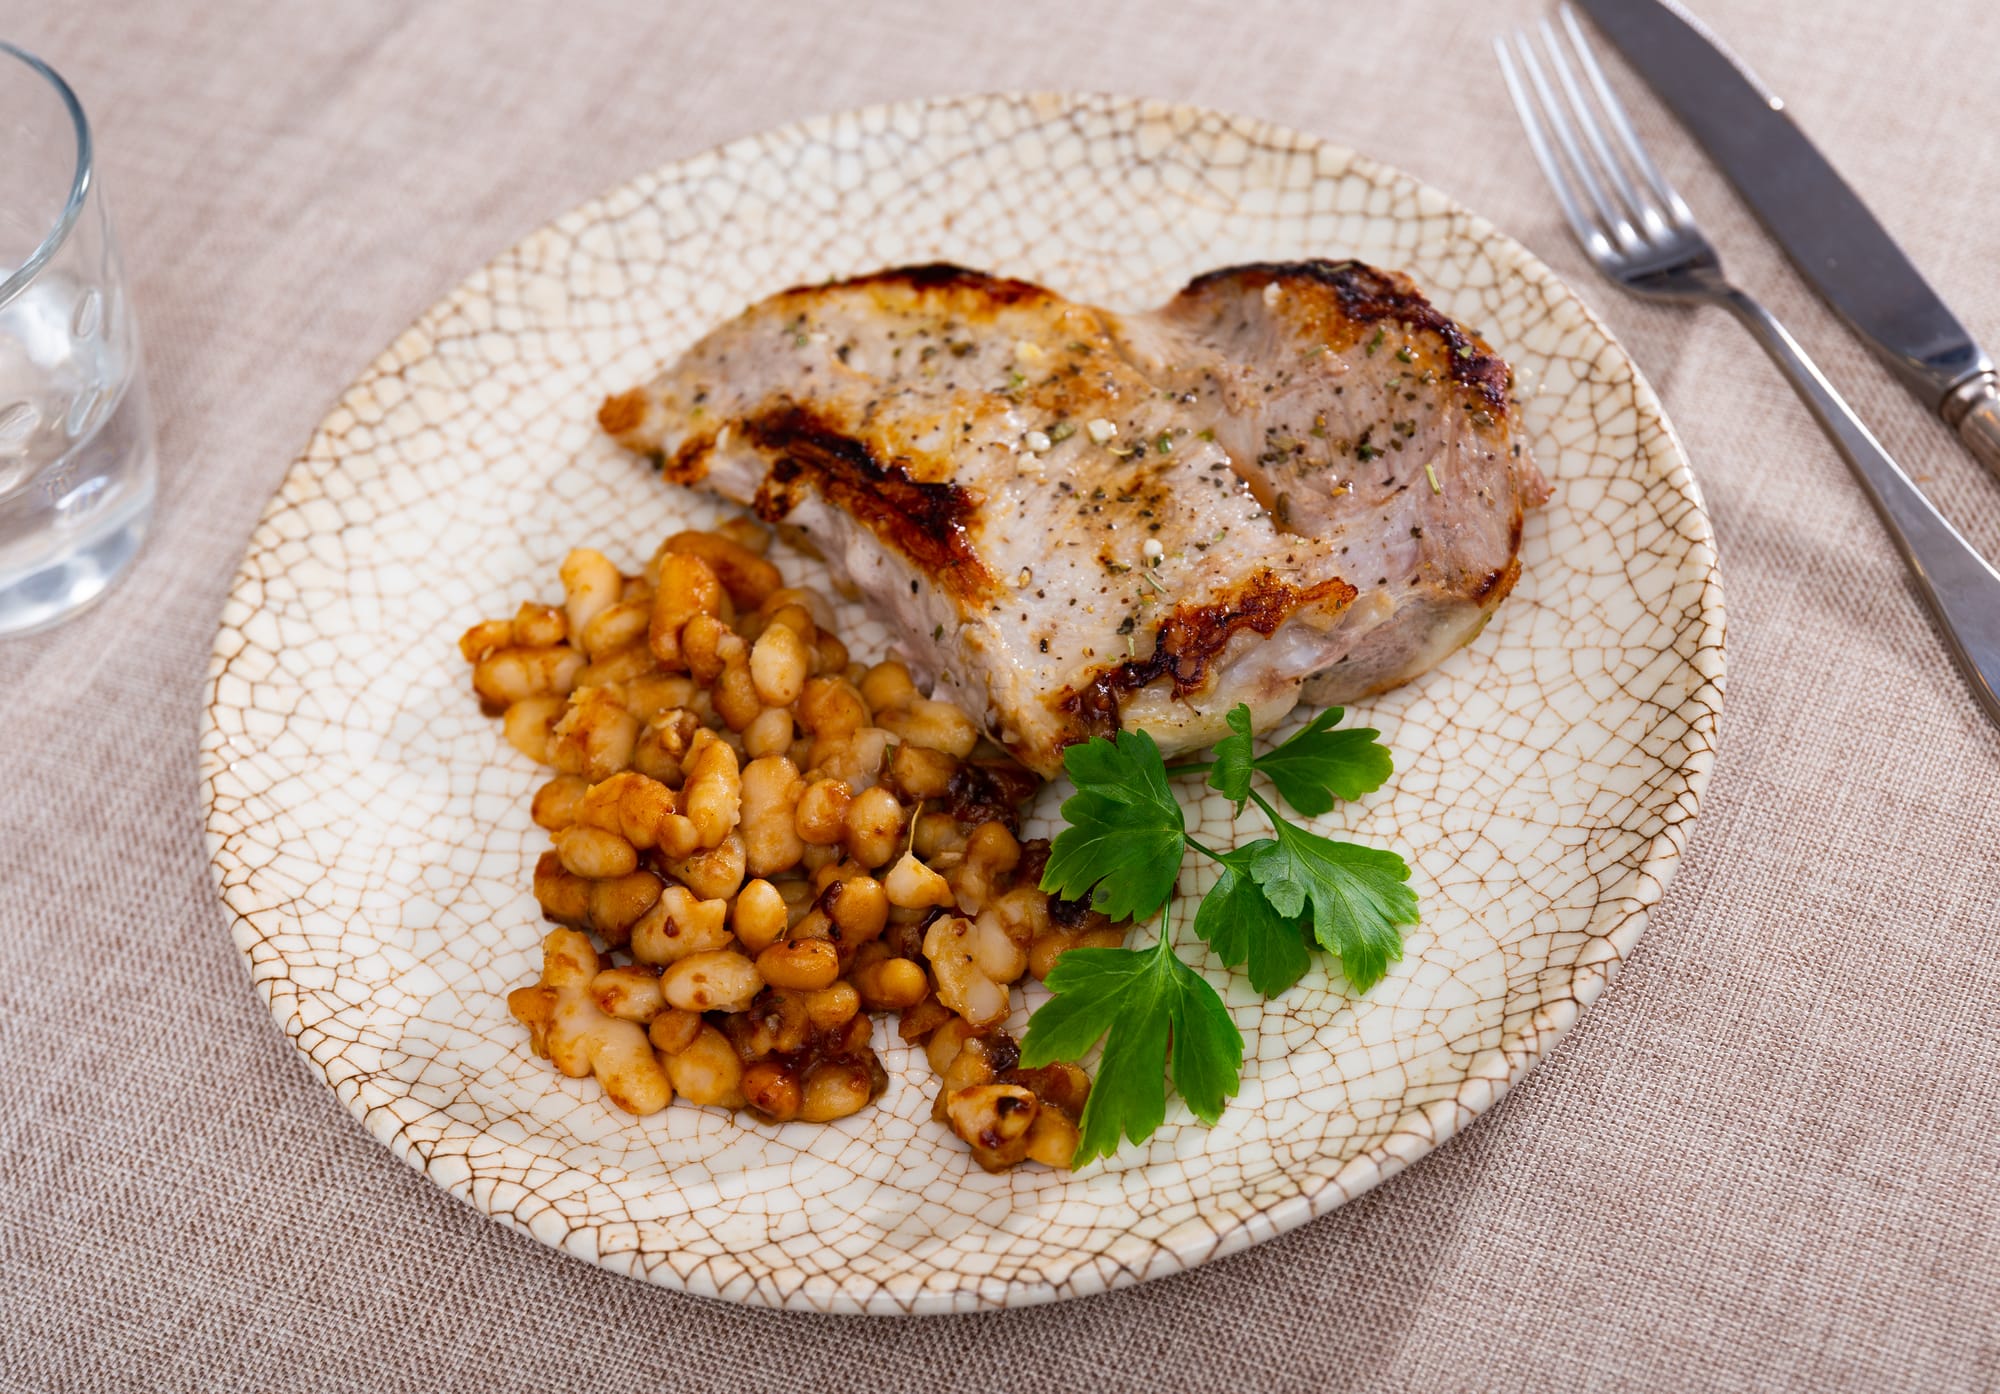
point(1158, 1017)
point(1123, 846)
point(1126, 835)
point(1232, 754)
point(1358, 894)
point(1319, 764)
point(1239, 924)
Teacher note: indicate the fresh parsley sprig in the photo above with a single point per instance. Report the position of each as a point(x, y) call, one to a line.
point(1125, 837)
point(1312, 769)
point(1274, 898)
point(1157, 1017)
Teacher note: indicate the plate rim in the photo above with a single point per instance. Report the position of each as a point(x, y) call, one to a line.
point(1534, 1040)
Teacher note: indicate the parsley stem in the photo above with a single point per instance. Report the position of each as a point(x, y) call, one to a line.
point(1211, 855)
point(1190, 767)
point(1269, 812)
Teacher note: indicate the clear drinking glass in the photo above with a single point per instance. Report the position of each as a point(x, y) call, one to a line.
point(76, 440)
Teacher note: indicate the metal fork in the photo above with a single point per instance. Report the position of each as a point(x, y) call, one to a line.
point(1640, 234)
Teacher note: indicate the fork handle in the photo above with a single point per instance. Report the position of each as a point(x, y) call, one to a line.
point(1962, 590)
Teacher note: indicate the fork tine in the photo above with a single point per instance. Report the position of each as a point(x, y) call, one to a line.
point(1594, 239)
point(1677, 208)
point(1642, 208)
point(1564, 129)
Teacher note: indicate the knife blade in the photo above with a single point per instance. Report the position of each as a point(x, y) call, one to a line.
point(1836, 243)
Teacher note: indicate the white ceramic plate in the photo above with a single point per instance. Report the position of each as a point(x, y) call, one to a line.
point(371, 834)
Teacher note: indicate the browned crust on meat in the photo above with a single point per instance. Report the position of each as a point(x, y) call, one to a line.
point(936, 278)
point(624, 416)
point(929, 524)
point(1494, 585)
point(1368, 296)
point(1492, 588)
point(1189, 641)
point(687, 465)
point(622, 412)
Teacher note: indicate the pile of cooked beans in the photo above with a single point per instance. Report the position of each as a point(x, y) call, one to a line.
point(757, 843)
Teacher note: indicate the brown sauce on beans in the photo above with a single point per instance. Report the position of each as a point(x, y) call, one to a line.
point(724, 938)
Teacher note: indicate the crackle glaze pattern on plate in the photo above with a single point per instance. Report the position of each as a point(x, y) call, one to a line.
point(370, 829)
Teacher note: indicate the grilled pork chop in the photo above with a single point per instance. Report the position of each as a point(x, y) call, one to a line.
point(1292, 480)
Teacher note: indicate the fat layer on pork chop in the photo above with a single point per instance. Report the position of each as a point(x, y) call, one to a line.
point(1292, 480)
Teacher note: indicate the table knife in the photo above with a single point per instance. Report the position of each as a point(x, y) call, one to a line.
point(1830, 235)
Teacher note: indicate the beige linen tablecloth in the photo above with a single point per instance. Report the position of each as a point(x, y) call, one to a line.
point(1766, 1159)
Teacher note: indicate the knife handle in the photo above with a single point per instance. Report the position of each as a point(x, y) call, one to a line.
point(1962, 590)
point(1979, 426)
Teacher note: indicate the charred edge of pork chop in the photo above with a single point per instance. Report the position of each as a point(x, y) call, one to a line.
point(984, 289)
point(625, 417)
point(927, 523)
point(1188, 643)
point(623, 413)
point(1494, 586)
point(1369, 296)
